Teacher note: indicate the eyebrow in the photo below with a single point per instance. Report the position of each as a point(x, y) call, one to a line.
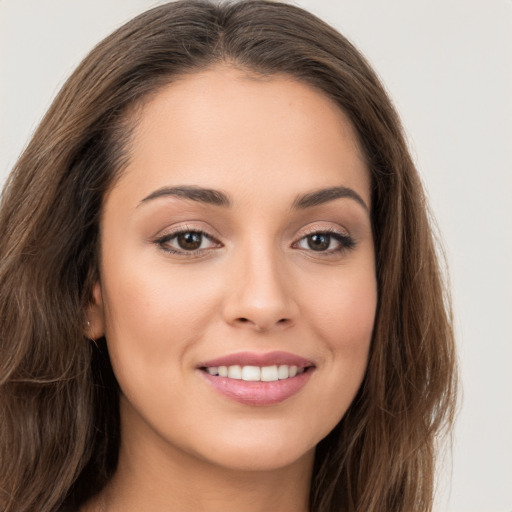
point(202, 195)
point(325, 195)
point(218, 198)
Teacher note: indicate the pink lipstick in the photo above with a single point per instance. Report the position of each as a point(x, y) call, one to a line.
point(257, 379)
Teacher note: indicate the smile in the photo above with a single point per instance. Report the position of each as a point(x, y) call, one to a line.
point(258, 379)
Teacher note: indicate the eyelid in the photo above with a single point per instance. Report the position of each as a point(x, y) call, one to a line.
point(340, 234)
point(329, 229)
point(195, 226)
point(345, 240)
point(318, 228)
point(170, 234)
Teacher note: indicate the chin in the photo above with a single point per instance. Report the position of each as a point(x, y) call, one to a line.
point(261, 459)
point(260, 448)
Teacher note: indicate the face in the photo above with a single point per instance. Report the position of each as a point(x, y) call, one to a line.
point(237, 291)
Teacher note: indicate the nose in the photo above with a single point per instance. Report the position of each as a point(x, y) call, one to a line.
point(260, 295)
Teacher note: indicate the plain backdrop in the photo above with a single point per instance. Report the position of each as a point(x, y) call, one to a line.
point(448, 66)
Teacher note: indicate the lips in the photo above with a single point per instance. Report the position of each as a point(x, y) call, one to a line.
point(257, 379)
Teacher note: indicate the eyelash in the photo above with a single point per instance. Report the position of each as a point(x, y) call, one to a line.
point(345, 241)
point(163, 242)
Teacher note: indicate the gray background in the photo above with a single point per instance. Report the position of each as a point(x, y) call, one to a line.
point(448, 66)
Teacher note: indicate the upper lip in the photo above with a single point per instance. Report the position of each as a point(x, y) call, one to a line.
point(255, 359)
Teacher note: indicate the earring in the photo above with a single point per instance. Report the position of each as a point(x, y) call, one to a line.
point(88, 323)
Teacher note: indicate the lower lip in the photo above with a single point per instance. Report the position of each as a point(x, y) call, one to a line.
point(258, 393)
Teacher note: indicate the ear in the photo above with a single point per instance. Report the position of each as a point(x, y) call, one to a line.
point(95, 327)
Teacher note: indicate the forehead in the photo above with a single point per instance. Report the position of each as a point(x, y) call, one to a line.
point(222, 128)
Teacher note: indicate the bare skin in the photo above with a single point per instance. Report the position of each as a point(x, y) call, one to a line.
point(273, 255)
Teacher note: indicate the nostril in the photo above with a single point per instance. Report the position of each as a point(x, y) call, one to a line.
point(261, 324)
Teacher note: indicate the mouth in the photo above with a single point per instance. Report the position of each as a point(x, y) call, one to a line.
point(258, 379)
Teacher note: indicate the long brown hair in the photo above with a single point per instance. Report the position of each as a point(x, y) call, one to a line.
point(59, 428)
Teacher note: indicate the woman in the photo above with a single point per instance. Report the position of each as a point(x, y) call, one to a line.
point(219, 284)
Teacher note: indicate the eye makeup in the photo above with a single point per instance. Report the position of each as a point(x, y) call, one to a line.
point(326, 241)
point(189, 242)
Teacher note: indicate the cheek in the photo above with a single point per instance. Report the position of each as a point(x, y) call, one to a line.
point(152, 296)
point(153, 318)
point(348, 319)
point(343, 309)
point(343, 317)
point(153, 313)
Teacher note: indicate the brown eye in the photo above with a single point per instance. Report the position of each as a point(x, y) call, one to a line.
point(187, 243)
point(319, 241)
point(325, 242)
point(190, 240)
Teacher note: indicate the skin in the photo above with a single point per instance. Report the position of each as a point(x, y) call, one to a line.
point(254, 285)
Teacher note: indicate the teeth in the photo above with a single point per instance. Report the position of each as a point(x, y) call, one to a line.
point(235, 372)
point(251, 373)
point(282, 372)
point(269, 374)
point(255, 373)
